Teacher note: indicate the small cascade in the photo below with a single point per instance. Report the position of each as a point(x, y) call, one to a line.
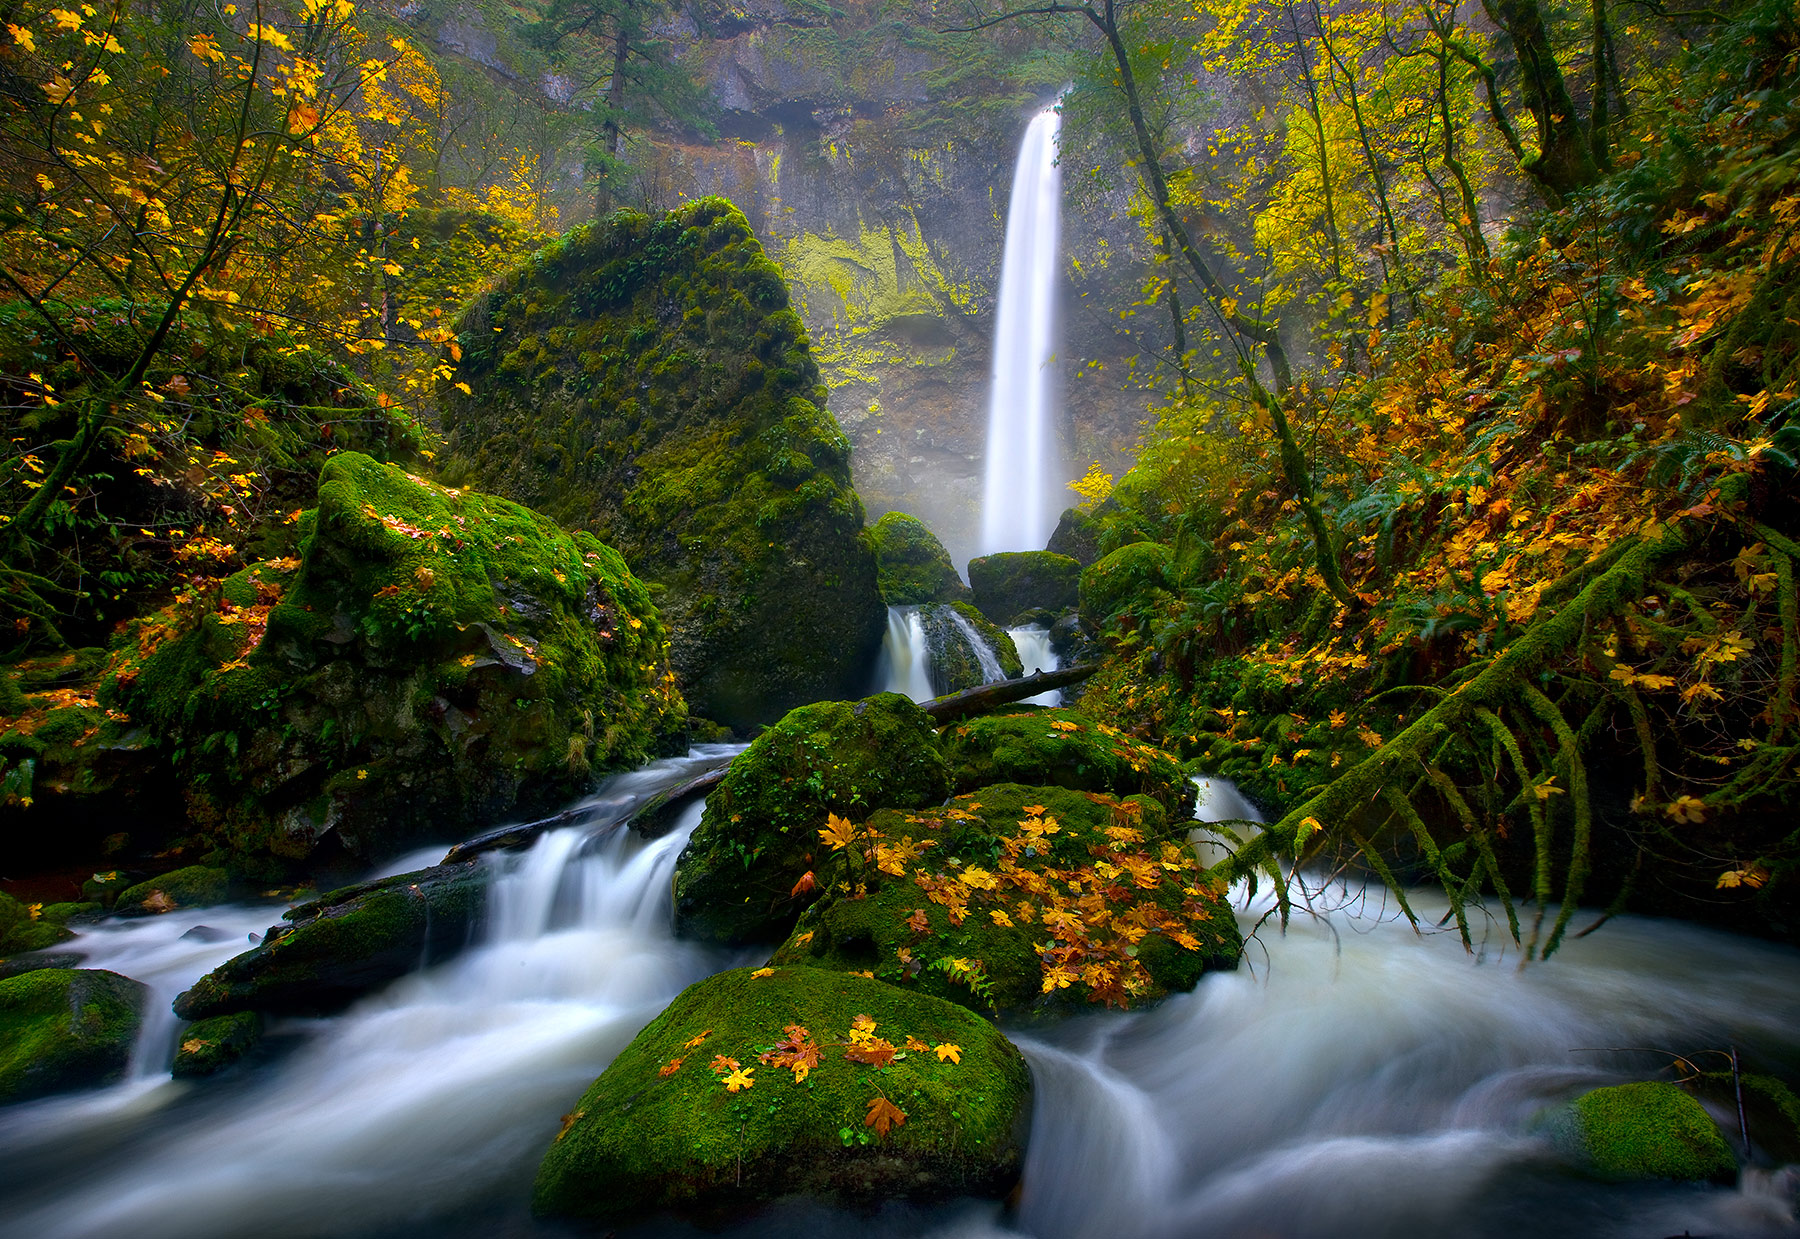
point(1219, 800)
point(1019, 495)
point(991, 671)
point(905, 663)
point(1035, 655)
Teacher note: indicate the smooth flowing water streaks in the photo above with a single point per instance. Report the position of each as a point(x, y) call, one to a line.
point(1023, 472)
point(985, 658)
point(905, 663)
point(1033, 643)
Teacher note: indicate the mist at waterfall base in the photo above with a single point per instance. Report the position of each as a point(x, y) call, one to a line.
point(1022, 483)
point(1351, 1079)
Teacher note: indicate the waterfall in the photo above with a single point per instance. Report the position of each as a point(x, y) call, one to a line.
point(1018, 505)
point(1035, 655)
point(905, 665)
point(991, 671)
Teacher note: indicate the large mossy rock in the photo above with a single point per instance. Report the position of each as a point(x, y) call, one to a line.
point(955, 663)
point(211, 1046)
point(646, 379)
point(341, 946)
point(1650, 1130)
point(1013, 582)
point(912, 566)
point(661, 1129)
point(195, 886)
point(735, 882)
point(1022, 902)
point(1064, 748)
point(1129, 574)
point(433, 659)
point(21, 930)
point(66, 1028)
point(1077, 536)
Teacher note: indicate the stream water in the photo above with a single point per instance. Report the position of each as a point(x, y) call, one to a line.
point(1353, 1079)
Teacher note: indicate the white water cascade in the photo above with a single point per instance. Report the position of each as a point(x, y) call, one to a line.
point(1020, 493)
point(1035, 655)
point(985, 658)
point(905, 663)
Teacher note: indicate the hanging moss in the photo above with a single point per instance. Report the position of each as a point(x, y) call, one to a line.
point(646, 378)
point(913, 565)
point(660, 1130)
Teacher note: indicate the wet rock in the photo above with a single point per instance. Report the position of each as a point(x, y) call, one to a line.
point(912, 566)
point(210, 1046)
point(196, 886)
point(1011, 583)
point(66, 1028)
point(1063, 748)
point(1649, 1130)
point(954, 662)
point(661, 1130)
point(23, 929)
point(1077, 535)
point(1129, 574)
point(335, 949)
point(739, 878)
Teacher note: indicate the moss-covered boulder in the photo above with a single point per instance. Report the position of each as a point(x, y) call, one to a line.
point(792, 1081)
point(65, 1028)
point(1650, 1130)
point(1014, 582)
point(334, 949)
point(210, 1046)
point(740, 877)
point(1077, 535)
point(952, 632)
point(1064, 748)
point(196, 886)
point(1023, 901)
point(1127, 575)
point(645, 378)
point(24, 927)
point(432, 659)
point(912, 566)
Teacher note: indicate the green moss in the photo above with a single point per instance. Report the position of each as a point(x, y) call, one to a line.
point(104, 887)
point(431, 659)
point(683, 420)
point(342, 945)
point(954, 663)
point(1065, 748)
point(978, 929)
point(210, 1046)
point(1011, 583)
point(760, 831)
point(641, 1141)
point(912, 565)
point(193, 887)
point(65, 1028)
point(1651, 1130)
point(21, 931)
point(1077, 535)
point(1127, 576)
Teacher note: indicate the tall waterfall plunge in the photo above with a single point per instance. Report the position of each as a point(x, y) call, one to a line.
point(1019, 504)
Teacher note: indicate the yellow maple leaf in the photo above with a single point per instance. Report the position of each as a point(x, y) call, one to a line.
point(838, 833)
point(949, 1051)
point(762, 972)
point(740, 1079)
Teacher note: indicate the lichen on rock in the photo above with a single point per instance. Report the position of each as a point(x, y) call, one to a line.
point(646, 378)
point(754, 1085)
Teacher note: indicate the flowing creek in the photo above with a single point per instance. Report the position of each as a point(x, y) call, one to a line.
point(1352, 1079)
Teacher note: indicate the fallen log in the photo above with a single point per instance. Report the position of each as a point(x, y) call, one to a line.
point(979, 700)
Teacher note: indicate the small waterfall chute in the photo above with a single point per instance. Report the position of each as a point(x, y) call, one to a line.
point(1035, 655)
point(905, 663)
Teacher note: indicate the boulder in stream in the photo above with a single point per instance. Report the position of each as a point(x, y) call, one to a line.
point(747, 868)
point(912, 566)
point(1649, 1130)
point(1021, 902)
point(334, 949)
point(210, 1046)
point(1065, 748)
point(66, 1028)
point(951, 631)
point(756, 1085)
point(195, 886)
point(1013, 582)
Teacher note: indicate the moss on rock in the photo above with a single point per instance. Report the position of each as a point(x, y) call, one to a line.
point(1065, 748)
point(1650, 1130)
point(1077, 536)
point(193, 887)
point(65, 1028)
point(735, 880)
point(646, 378)
point(1014, 582)
point(955, 664)
point(433, 658)
point(661, 1130)
point(340, 946)
point(1128, 575)
point(1023, 901)
point(23, 930)
point(210, 1046)
point(912, 566)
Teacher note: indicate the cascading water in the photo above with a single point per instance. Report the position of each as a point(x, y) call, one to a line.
point(1018, 506)
point(985, 658)
point(905, 663)
point(1035, 655)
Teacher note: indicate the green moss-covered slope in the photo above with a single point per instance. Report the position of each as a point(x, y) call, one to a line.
point(1065, 748)
point(64, 1028)
point(432, 658)
point(662, 1129)
point(736, 880)
point(1651, 1130)
point(645, 378)
point(913, 566)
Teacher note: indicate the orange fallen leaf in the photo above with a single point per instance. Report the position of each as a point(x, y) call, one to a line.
point(884, 1116)
point(691, 1042)
point(669, 1068)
